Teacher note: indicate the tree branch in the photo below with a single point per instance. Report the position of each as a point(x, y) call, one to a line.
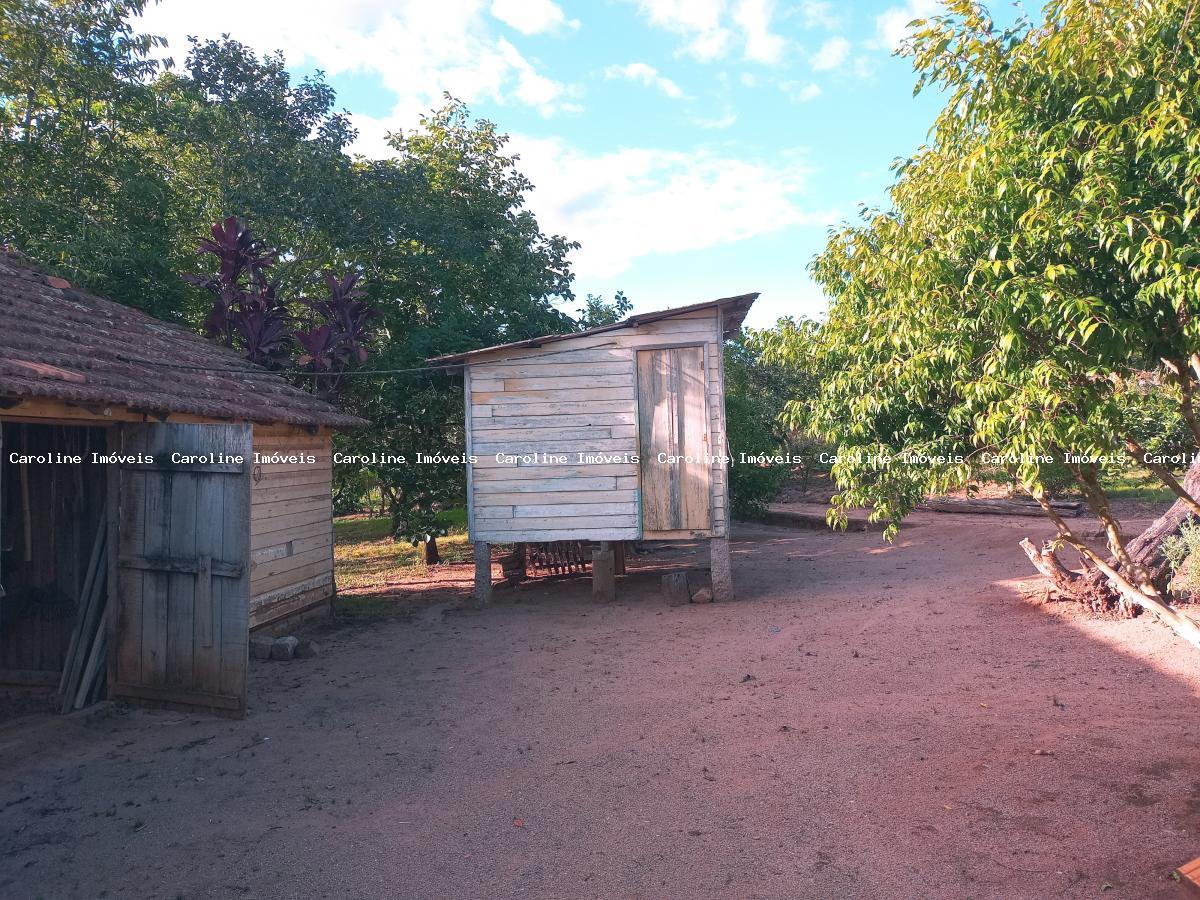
point(1144, 595)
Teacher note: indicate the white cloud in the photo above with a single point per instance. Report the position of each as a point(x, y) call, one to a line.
point(819, 14)
point(638, 202)
point(531, 16)
point(720, 122)
point(865, 67)
point(801, 93)
point(647, 75)
point(710, 26)
point(418, 49)
point(891, 26)
point(697, 20)
point(754, 18)
point(831, 55)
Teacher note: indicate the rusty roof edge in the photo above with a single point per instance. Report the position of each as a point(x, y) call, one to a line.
point(337, 420)
point(746, 300)
point(309, 410)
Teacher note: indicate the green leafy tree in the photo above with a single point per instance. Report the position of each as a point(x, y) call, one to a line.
point(1039, 255)
point(75, 104)
point(597, 312)
point(115, 166)
point(453, 261)
point(240, 135)
point(757, 393)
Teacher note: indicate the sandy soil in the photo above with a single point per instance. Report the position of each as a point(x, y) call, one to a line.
point(869, 720)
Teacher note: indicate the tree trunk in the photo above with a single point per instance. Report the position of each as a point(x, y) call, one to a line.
point(1091, 587)
point(1146, 548)
point(432, 557)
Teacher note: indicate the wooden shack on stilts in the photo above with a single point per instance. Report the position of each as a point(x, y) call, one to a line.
point(612, 434)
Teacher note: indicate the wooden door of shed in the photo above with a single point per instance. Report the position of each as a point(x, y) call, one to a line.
point(180, 633)
point(673, 419)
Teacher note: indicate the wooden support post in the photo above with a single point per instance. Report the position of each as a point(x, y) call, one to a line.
point(675, 589)
point(604, 582)
point(722, 569)
point(483, 573)
point(619, 557)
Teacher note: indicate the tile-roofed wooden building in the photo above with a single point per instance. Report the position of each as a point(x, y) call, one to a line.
point(160, 496)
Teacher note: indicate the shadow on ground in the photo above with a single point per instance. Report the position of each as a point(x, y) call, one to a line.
point(868, 720)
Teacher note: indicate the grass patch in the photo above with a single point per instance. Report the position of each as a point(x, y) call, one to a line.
point(1138, 484)
point(366, 557)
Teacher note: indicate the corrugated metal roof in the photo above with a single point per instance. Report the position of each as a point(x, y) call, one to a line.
point(733, 308)
point(60, 343)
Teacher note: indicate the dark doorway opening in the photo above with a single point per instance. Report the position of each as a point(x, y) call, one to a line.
point(51, 510)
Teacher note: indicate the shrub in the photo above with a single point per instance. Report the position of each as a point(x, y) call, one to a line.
point(1181, 553)
point(757, 391)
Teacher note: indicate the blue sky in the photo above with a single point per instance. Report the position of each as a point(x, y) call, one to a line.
point(696, 148)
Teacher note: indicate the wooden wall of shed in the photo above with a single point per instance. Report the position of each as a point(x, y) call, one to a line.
point(566, 397)
point(291, 525)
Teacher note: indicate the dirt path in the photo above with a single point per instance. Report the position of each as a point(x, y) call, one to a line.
point(868, 721)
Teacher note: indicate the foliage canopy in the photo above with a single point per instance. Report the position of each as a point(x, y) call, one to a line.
point(1038, 262)
point(117, 164)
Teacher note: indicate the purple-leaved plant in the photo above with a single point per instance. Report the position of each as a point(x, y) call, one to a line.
point(247, 311)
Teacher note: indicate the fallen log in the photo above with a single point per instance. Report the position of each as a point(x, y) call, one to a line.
point(1089, 587)
point(777, 515)
point(1133, 583)
point(1092, 588)
point(1001, 507)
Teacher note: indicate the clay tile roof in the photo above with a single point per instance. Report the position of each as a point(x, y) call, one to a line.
point(733, 311)
point(60, 343)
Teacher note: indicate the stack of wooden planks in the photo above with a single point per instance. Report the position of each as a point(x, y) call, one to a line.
point(83, 675)
point(558, 558)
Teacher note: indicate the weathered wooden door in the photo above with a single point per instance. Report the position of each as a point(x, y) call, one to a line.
point(180, 633)
point(672, 421)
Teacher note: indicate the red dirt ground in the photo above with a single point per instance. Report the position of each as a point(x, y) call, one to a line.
point(869, 720)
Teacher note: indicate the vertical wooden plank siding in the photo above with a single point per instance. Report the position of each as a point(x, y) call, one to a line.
point(182, 586)
point(183, 565)
point(580, 396)
point(657, 431)
point(720, 443)
point(155, 584)
point(694, 478)
point(114, 621)
point(291, 523)
point(470, 444)
point(676, 496)
point(233, 595)
point(126, 585)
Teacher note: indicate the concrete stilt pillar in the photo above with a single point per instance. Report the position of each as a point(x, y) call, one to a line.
point(722, 569)
point(483, 573)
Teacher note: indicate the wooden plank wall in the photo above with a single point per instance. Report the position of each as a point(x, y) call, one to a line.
point(291, 524)
point(566, 397)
